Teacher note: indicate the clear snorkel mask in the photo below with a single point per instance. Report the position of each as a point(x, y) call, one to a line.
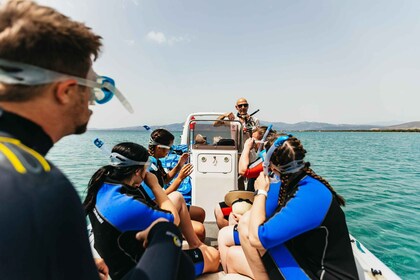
point(117, 160)
point(279, 141)
point(154, 143)
point(103, 88)
point(291, 167)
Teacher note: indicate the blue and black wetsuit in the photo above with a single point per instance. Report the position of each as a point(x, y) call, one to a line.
point(308, 237)
point(43, 226)
point(120, 212)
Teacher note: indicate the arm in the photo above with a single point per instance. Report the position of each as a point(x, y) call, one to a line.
point(186, 171)
point(254, 171)
point(161, 198)
point(244, 159)
point(305, 211)
point(220, 119)
point(257, 216)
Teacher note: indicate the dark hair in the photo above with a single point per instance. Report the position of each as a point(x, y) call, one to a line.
point(161, 136)
point(41, 36)
point(130, 150)
point(292, 150)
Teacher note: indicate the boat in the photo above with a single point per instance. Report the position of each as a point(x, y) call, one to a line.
point(216, 173)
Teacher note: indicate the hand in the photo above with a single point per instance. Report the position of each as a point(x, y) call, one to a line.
point(262, 182)
point(230, 116)
point(183, 159)
point(249, 143)
point(102, 268)
point(142, 235)
point(186, 171)
point(234, 218)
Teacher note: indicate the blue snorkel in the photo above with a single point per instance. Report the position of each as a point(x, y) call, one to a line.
point(264, 137)
point(279, 141)
point(101, 145)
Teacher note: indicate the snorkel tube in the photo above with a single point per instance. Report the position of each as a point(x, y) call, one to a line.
point(101, 145)
point(279, 141)
point(263, 138)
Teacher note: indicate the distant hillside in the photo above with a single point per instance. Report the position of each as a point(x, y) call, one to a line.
point(409, 125)
point(300, 126)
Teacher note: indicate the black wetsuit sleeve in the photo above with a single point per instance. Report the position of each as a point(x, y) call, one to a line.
point(163, 258)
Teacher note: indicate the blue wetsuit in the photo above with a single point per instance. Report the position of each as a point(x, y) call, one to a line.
point(308, 237)
point(43, 232)
point(120, 212)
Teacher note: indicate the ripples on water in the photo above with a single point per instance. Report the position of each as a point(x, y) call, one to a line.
point(377, 173)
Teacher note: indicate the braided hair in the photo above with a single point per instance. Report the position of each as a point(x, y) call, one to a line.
point(292, 150)
point(130, 150)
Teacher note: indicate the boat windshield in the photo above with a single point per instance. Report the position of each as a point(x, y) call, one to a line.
point(202, 132)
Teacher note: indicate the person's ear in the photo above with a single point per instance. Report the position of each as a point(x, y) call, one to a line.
point(64, 90)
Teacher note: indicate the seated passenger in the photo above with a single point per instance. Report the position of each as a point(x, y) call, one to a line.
point(306, 237)
point(250, 163)
point(160, 143)
point(200, 139)
point(118, 207)
point(229, 211)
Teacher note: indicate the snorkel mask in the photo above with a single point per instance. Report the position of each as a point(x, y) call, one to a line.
point(103, 88)
point(154, 143)
point(264, 137)
point(118, 160)
point(279, 141)
point(288, 168)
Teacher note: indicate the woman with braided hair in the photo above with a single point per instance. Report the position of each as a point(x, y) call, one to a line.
point(307, 236)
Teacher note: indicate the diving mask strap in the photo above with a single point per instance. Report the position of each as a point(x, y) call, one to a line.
point(279, 141)
point(117, 159)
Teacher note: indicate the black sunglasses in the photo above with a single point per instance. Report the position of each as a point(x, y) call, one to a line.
point(242, 105)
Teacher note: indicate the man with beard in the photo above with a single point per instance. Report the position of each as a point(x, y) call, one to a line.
point(46, 85)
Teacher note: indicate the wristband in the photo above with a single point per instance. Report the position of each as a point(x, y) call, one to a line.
point(263, 192)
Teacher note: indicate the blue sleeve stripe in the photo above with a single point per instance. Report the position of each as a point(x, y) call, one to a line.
point(286, 263)
point(124, 212)
point(272, 199)
point(304, 212)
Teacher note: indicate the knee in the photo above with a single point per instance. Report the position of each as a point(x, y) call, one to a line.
point(220, 219)
point(176, 198)
point(199, 214)
point(211, 258)
point(225, 236)
point(199, 230)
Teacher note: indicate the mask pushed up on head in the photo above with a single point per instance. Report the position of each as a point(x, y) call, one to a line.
point(102, 87)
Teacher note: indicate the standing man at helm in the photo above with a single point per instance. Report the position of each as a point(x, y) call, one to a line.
point(46, 86)
point(248, 122)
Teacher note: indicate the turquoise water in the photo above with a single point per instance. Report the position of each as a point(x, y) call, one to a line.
point(377, 173)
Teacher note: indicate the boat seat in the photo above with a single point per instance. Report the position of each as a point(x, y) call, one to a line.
point(226, 142)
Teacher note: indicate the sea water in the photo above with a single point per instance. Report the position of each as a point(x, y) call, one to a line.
point(377, 173)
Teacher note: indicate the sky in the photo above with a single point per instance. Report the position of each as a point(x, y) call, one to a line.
point(334, 61)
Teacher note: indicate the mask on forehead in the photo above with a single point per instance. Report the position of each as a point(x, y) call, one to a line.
point(102, 87)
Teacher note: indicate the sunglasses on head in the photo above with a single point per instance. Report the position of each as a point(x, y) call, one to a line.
point(242, 105)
